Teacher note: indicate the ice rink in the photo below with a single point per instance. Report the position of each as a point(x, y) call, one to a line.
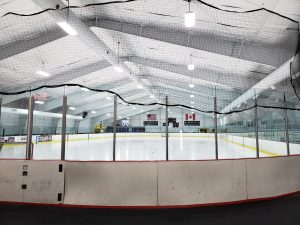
point(137, 148)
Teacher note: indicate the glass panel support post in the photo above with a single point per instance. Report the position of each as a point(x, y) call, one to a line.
point(29, 145)
point(216, 128)
point(286, 126)
point(167, 130)
point(115, 127)
point(256, 127)
point(63, 128)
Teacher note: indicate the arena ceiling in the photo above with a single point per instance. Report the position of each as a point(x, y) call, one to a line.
point(237, 48)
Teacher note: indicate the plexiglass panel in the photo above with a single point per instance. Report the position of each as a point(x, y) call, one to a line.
point(140, 132)
point(13, 129)
point(89, 125)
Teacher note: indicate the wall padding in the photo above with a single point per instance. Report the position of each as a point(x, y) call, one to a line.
point(185, 183)
point(111, 184)
point(11, 180)
point(270, 177)
point(44, 182)
point(148, 183)
point(41, 181)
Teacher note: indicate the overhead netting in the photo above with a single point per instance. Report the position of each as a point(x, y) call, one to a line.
point(237, 56)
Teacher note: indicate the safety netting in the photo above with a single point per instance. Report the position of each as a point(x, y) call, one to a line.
point(142, 51)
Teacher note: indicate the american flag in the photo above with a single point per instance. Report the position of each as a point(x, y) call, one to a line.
point(189, 117)
point(151, 117)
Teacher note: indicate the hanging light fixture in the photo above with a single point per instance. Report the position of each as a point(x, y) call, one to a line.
point(189, 17)
point(191, 65)
point(43, 73)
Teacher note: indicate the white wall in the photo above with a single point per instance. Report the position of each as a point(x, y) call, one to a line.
point(70, 123)
point(161, 183)
point(84, 126)
point(16, 124)
point(178, 113)
point(13, 123)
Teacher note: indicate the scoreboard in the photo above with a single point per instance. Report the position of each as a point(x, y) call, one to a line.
point(175, 125)
point(191, 123)
point(150, 123)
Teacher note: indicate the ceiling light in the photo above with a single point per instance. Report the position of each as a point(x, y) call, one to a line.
point(84, 89)
point(118, 69)
point(127, 118)
point(43, 73)
point(119, 116)
point(191, 85)
point(192, 96)
point(93, 112)
point(72, 108)
point(142, 110)
point(108, 98)
point(151, 96)
point(191, 66)
point(273, 87)
point(133, 107)
point(139, 86)
point(192, 102)
point(108, 114)
point(189, 19)
point(39, 102)
point(67, 28)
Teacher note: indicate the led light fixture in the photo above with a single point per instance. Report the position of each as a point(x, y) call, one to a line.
point(191, 66)
point(189, 19)
point(118, 69)
point(43, 73)
point(39, 102)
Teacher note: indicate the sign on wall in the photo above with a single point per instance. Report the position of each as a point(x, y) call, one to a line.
point(125, 123)
point(151, 117)
point(190, 117)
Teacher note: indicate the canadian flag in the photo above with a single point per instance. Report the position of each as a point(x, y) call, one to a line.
point(190, 117)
